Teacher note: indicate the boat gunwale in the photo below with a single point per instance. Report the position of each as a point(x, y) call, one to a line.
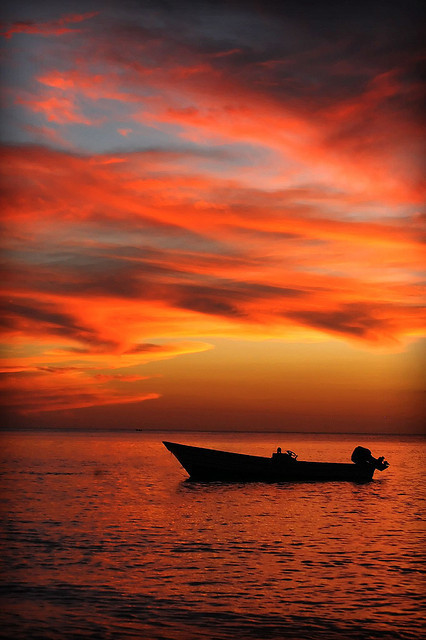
point(248, 457)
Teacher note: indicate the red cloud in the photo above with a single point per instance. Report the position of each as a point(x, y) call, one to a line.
point(61, 109)
point(52, 28)
point(358, 143)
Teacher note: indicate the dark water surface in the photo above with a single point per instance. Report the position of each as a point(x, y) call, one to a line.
point(102, 537)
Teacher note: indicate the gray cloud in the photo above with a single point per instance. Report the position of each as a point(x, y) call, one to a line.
point(354, 320)
point(44, 317)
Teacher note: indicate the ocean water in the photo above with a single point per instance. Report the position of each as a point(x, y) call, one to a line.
point(103, 537)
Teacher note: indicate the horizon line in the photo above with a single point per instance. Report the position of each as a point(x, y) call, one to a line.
point(215, 431)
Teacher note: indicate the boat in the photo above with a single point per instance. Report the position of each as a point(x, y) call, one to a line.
point(212, 465)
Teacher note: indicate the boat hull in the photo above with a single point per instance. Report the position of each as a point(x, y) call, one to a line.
point(212, 465)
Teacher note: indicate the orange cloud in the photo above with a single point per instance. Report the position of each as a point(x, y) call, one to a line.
point(266, 273)
point(77, 375)
point(53, 390)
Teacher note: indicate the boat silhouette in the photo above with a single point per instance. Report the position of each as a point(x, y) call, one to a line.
point(213, 465)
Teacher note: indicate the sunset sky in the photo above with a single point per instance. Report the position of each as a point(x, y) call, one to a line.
point(212, 215)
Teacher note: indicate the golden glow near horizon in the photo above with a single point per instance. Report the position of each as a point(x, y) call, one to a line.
point(197, 237)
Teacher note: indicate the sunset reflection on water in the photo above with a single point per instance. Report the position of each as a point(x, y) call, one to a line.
point(103, 535)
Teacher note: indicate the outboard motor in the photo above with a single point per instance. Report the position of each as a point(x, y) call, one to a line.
point(361, 455)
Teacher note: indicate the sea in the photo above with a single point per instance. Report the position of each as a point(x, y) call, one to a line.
point(104, 537)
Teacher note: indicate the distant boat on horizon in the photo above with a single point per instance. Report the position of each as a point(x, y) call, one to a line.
point(212, 465)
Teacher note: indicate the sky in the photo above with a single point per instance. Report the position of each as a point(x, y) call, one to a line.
point(212, 215)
